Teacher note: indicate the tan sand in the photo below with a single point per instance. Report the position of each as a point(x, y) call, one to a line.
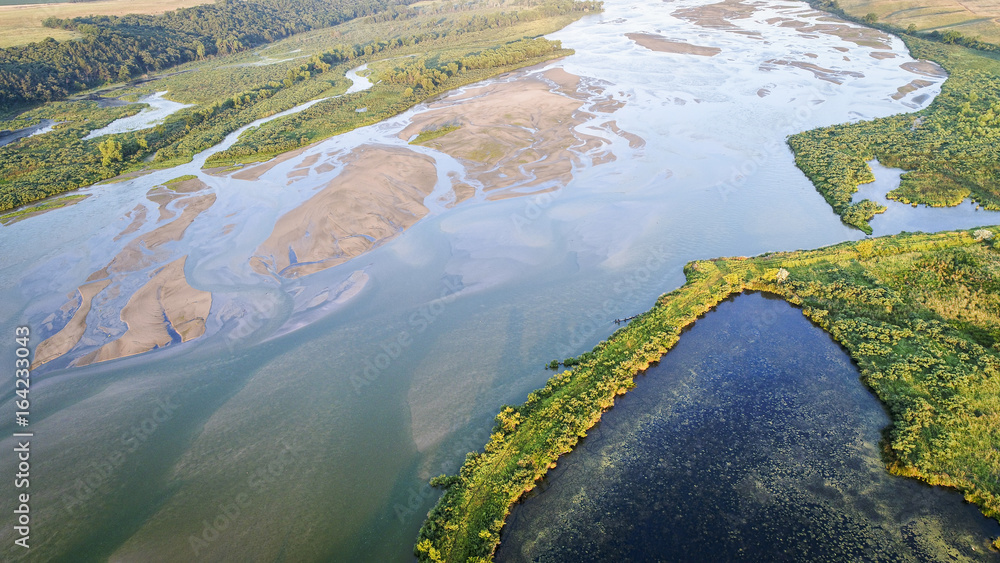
point(861, 36)
point(664, 45)
point(254, 173)
point(308, 161)
point(913, 86)
point(718, 15)
point(136, 255)
point(64, 340)
point(516, 135)
point(924, 68)
point(138, 215)
point(829, 75)
point(378, 194)
point(634, 141)
point(881, 55)
point(188, 186)
point(166, 296)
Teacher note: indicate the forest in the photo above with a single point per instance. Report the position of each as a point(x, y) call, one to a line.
point(950, 150)
point(460, 45)
point(918, 313)
point(118, 48)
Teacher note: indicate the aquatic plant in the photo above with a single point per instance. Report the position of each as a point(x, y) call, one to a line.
point(919, 314)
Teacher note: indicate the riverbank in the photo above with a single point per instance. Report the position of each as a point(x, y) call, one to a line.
point(937, 369)
point(948, 149)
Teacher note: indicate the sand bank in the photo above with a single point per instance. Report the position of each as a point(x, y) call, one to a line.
point(924, 68)
point(378, 194)
point(664, 45)
point(913, 86)
point(64, 340)
point(718, 15)
point(136, 254)
point(860, 36)
point(163, 311)
point(254, 173)
point(514, 138)
point(829, 75)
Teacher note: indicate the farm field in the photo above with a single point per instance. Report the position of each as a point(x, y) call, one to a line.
point(968, 17)
point(21, 22)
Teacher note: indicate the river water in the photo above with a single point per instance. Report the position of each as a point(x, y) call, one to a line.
point(299, 432)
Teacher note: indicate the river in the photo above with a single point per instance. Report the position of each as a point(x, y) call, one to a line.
point(305, 422)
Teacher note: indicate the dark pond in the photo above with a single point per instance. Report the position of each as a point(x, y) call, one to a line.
point(753, 440)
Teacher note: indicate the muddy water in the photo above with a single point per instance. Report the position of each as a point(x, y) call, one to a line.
point(319, 406)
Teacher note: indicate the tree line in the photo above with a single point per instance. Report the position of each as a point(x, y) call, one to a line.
point(118, 48)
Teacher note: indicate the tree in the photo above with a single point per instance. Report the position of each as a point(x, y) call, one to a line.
point(111, 151)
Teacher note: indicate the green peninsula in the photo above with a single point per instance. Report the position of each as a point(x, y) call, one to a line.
point(918, 313)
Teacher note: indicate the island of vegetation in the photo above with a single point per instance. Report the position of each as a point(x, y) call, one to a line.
point(919, 314)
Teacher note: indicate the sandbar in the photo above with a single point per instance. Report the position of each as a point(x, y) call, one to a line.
point(64, 340)
point(165, 310)
point(377, 195)
point(662, 44)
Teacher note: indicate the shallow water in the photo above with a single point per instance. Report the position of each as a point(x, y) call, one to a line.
point(44, 126)
point(753, 440)
point(349, 405)
point(159, 109)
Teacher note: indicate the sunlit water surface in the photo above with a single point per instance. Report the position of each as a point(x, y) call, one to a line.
point(322, 425)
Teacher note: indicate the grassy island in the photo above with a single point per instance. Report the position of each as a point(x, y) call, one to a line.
point(950, 150)
point(918, 313)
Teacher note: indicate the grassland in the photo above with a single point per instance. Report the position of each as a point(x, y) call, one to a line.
point(951, 149)
point(968, 17)
point(21, 23)
point(919, 313)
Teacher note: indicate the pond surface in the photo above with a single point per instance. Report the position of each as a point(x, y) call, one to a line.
point(321, 405)
point(753, 440)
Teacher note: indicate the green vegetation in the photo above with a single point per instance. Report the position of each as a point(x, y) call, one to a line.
point(398, 88)
point(440, 45)
point(951, 149)
point(968, 17)
point(116, 48)
point(180, 179)
point(919, 313)
point(15, 216)
point(432, 134)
